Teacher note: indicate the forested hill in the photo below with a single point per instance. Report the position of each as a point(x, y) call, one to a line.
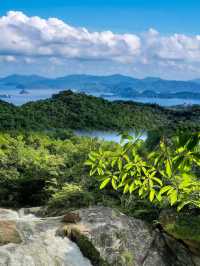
point(79, 111)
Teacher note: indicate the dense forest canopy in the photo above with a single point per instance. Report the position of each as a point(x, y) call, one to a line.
point(68, 110)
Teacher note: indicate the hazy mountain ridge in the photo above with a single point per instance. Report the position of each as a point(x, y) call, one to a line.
point(117, 85)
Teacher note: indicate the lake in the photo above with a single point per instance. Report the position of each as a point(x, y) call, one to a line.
point(106, 135)
point(36, 94)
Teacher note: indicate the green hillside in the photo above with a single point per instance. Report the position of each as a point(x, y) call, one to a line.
point(68, 110)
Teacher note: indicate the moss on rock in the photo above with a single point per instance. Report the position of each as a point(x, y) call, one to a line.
point(183, 227)
point(86, 247)
point(127, 258)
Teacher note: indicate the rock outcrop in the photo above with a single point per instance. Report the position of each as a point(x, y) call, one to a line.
point(108, 237)
point(104, 236)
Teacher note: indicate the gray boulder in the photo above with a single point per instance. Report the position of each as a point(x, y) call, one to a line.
point(108, 237)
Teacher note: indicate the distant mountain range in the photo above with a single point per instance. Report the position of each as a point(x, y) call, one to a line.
point(109, 86)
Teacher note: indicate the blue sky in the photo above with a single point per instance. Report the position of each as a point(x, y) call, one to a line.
point(133, 17)
point(119, 15)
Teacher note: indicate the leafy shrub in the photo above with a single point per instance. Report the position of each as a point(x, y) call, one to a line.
point(34, 166)
point(183, 226)
point(71, 196)
point(167, 176)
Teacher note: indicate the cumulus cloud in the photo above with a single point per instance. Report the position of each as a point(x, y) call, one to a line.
point(33, 36)
point(176, 47)
point(33, 39)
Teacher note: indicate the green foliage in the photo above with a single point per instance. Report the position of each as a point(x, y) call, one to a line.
point(34, 166)
point(71, 196)
point(79, 111)
point(127, 258)
point(184, 227)
point(167, 176)
point(48, 168)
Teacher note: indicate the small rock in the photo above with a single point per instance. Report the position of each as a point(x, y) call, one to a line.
point(71, 217)
point(9, 233)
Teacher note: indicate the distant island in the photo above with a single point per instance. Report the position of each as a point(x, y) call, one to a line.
point(108, 86)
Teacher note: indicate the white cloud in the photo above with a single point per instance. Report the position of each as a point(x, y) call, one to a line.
point(33, 36)
point(32, 40)
point(7, 59)
point(176, 47)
